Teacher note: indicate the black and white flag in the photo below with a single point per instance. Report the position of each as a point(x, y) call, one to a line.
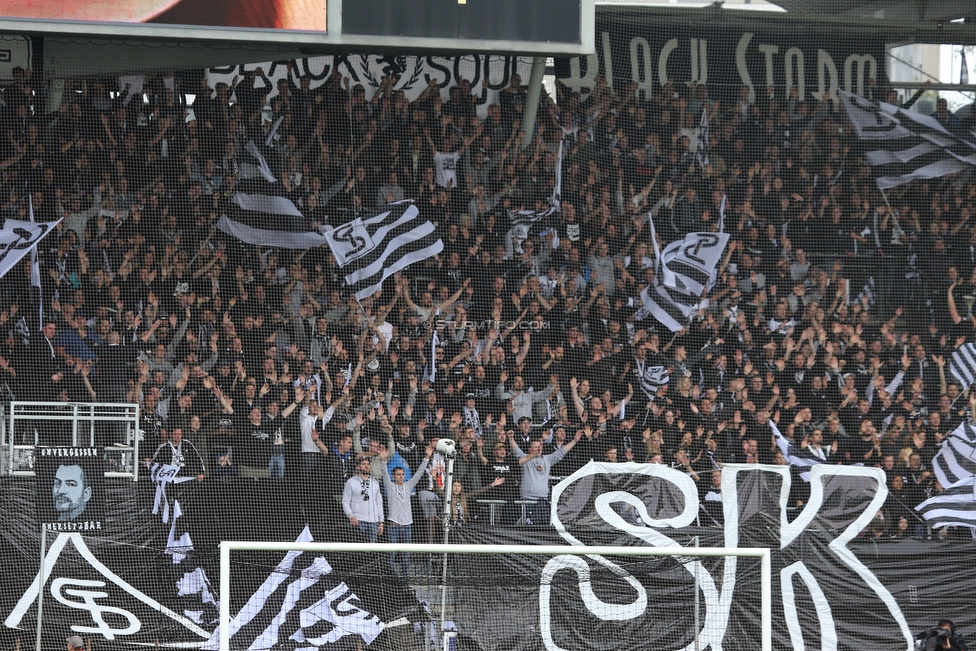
point(962, 364)
point(686, 271)
point(954, 466)
point(303, 604)
point(264, 210)
point(956, 458)
point(954, 506)
point(265, 237)
point(902, 146)
point(371, 250)
point(18, 238)
point(522, 222)
point(257, 170)
point(652, 378)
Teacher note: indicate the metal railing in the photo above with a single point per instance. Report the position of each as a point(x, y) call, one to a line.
point(26, 425)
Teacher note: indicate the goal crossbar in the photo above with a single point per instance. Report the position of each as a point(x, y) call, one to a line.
point(762, 553)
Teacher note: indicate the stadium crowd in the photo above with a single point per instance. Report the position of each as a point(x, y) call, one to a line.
point(825, 338)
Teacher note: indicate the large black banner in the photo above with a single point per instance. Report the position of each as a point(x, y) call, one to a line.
point(141, 579)
point(812, 59)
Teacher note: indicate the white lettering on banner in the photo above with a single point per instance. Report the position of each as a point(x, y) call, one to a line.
point(579, 84)
point(851, 80)
point(88, 602)
point(717, 602)
point(828, 631)
point(859, 68)
point(717, 594)
point(15, 617)
point(740, 63)
point(412, 74)
point(826, 87)
point(643, 76)
point(662, 62)
point(794, 56)
point(341, 608)
point(768, 52)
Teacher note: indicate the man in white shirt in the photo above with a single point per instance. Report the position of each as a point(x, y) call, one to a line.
point(401, 514)
point(313, 449)
point(362, 501)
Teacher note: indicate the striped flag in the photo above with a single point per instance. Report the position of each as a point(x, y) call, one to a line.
point(954, 466)
point(962, 364)
point(260, 169)
point(652, 378)
point(522, 221)
point(672, 308)
point(268, 211)
point(956, 459)
point(302, 604)
point(954, 506)
point(902, 146)
point(685, 271)
point(371, 250)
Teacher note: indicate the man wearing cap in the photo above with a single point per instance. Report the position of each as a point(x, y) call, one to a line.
point(75, 643)
point(523, 433)
point(499, 465)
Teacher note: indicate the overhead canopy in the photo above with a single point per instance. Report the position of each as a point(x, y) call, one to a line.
point(922, 10)
point(890, 18)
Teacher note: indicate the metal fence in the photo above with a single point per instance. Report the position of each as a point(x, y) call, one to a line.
point(26, 425)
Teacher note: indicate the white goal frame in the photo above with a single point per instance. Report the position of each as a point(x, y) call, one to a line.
point(763, 553)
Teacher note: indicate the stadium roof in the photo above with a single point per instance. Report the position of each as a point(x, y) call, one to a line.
point(921, 10)
point(900, 21)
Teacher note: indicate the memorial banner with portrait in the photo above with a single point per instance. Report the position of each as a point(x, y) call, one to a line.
point(70, 489)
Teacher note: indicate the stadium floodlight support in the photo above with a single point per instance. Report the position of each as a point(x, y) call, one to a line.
point(447, 447)
point(533, 93)
point(763, 553)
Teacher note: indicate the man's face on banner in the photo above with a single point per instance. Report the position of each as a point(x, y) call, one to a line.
point(71, 492)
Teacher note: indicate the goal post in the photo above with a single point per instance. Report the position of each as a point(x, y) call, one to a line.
point(573, 557)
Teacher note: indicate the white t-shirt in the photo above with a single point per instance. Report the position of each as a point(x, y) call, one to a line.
point(446, 168)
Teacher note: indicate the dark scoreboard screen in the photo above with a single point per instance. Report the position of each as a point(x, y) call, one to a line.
point(547, 21)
